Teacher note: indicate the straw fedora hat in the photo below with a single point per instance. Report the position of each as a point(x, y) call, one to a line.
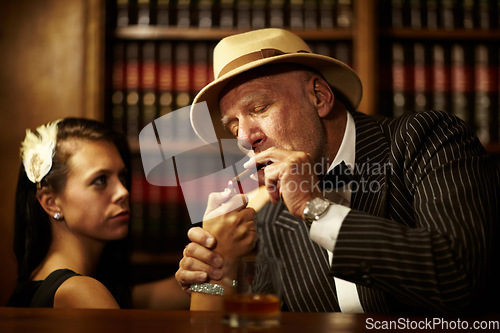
point(239, 53)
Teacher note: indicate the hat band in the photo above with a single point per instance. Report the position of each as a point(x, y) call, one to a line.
point(250, 57)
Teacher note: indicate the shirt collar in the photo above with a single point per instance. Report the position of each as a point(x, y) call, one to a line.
point(347, 151)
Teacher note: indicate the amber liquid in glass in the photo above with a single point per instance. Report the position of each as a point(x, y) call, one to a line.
point(252, 304)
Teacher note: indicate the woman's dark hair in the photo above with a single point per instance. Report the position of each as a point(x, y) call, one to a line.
point(32, 233)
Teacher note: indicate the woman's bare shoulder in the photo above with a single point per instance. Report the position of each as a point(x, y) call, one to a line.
point(83, 292)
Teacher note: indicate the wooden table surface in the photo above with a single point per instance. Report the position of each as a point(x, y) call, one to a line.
point(145, 321)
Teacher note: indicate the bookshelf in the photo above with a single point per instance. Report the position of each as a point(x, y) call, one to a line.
point(443, 54)
point(158, 56)
point(215, 34)
point(440, 34)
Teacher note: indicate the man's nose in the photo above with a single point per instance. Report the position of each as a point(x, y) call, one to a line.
point(244, 145)
point(248, 134)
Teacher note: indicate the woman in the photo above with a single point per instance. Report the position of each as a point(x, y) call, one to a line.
point(71, 217)
point(72, 222)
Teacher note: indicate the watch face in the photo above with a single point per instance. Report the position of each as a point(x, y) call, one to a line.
point(321, 205)
point(315, 208)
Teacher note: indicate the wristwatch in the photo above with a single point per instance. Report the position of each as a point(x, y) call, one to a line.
point(315, 209)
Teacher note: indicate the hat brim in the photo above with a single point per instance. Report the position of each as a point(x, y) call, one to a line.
point(340, 77)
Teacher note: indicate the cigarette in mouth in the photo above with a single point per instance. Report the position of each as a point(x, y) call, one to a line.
point(243, 175)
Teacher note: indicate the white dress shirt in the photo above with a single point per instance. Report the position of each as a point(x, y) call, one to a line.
point(325, 230)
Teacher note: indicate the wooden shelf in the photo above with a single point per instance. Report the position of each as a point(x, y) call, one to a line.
point(173, 33)
point(440, 34)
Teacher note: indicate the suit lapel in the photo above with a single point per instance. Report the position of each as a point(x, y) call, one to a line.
point(371, 169)
point(371, 173)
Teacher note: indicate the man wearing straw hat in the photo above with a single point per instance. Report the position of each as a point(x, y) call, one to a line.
point(367, 214)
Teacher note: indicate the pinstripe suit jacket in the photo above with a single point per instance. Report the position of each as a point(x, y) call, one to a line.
point(419, 236)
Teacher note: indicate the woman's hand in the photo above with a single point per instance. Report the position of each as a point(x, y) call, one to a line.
point(228, 233)
point(232, 224)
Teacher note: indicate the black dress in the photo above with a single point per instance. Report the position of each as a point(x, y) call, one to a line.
point(39, 294)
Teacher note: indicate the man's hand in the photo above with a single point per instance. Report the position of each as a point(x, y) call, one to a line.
point(289, 175)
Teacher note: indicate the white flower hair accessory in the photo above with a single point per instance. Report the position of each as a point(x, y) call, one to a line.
point(37, 151)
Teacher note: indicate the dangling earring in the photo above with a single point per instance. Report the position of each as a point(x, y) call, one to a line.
point(58, 216)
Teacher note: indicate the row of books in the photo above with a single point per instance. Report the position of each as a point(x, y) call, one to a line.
point(153, 78)
point(159, 218)
point(241, 14)
point(461, 78)
point(445, 14)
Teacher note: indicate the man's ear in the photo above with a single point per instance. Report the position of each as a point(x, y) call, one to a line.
point(324, 97)
point(47, 200)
